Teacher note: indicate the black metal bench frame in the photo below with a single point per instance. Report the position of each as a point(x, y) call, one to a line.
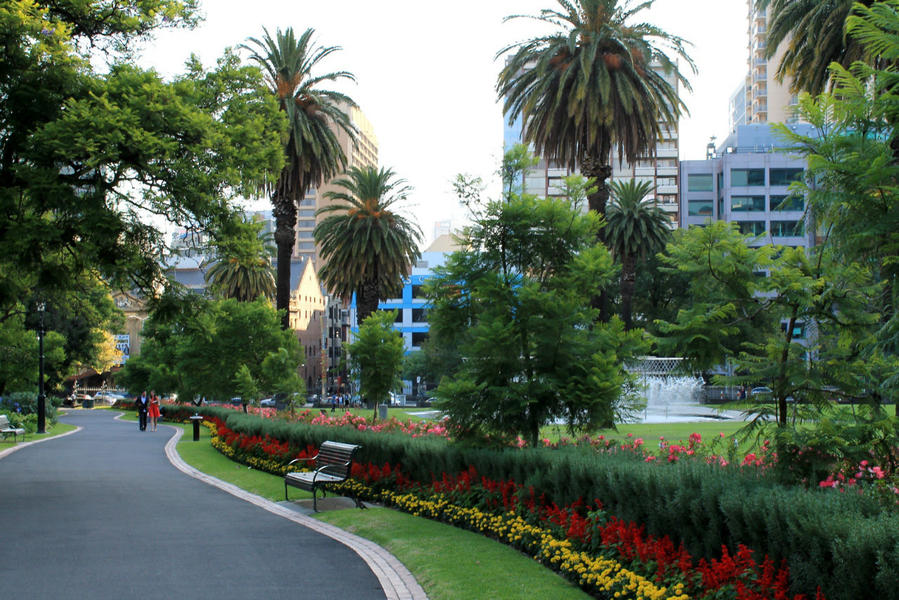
point(332, 465)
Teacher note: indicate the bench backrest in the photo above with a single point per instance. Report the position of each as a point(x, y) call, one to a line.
point(336, 457)
point(4, 422)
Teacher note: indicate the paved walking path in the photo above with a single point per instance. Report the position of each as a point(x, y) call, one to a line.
point(104, 514)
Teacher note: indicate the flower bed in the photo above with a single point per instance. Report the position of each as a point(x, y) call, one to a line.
point(603, 554)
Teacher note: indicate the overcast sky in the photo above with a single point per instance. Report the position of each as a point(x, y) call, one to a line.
point(425, 74)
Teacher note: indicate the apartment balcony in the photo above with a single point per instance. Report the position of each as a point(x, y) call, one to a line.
point(760, 62)
point(667, 189)
point(760, 76)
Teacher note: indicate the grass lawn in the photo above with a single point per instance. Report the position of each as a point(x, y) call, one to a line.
point(52, 431)
point(448, 562)
point(452, 563)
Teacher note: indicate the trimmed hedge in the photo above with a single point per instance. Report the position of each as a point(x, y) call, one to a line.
point(845, 543)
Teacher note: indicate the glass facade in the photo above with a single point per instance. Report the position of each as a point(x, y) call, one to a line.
point(699, 182)
point(751, 227)
point(699, 208)
point(747, 203)
point(784, 176)
point(786, 228)
point(747, 177)
point(782, 203)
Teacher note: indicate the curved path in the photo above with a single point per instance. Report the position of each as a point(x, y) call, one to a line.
point(103, 514)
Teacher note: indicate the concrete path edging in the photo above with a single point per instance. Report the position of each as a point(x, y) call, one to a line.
point(394, 577)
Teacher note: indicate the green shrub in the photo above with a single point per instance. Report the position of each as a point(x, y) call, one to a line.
point(846, 543)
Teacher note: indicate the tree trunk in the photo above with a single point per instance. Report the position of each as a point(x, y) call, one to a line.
point(596, 168)
point(366, 300)
point(628, 281)
point(285, 213)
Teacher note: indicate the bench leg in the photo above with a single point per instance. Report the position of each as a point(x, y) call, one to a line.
point(314, 505)
point(285, 492)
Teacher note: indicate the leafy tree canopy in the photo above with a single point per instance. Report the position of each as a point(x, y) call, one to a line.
point(88, 154)
point(200, 348)
point(516, 307)
point(377, 354)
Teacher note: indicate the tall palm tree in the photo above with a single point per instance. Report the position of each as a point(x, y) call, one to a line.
point(242, 265)
point(369, 248)
point(313, 153)
point(636, 228)
point(815, 36)
point(596, 86)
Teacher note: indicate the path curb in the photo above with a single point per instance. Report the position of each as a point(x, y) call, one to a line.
point(395, 578)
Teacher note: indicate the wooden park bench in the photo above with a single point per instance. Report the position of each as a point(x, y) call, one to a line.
point(6, 429)
point(332, 465)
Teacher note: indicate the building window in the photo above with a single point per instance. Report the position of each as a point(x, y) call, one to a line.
point(307, 202)
point(786, 228)
point(781, 203)
point(784, 176)
point(747, 204)
point(305, 245)
point(418, 292)
point(399, 316)
point(699, 208)
point(306, 224)
point(699, 182)
point(798, 329)
point(304, 235)
point(306, 213)
point(419, 315)
point(751, 227)
point(418, 338)
point(747, 177)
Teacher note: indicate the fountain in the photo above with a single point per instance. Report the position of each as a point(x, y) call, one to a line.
point(671, 396)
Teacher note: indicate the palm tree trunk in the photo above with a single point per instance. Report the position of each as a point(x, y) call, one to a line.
point(366, 300)
point(596, 168)
point(628, 280)
point(285, 213)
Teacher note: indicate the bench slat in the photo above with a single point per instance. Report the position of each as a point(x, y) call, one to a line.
point(332, 465)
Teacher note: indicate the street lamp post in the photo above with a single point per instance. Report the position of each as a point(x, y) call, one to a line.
point(41, 398)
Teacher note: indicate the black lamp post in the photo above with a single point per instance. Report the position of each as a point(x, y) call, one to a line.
point(41, 398)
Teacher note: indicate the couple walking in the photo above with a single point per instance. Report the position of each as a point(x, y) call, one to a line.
point(147, 407)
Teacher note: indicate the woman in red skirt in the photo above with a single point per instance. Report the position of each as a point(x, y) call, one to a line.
point(154, 410)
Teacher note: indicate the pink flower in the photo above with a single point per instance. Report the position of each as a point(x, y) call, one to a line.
point(650, 458)
point(638, 442)
point(878, 472)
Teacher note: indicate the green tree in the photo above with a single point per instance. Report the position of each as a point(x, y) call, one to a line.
point(198, 349)
point(602, 83)
point(368, 246)
point(802, 329)
point(88, 152)
point(242, 267)
point(312, 151)
point(246, 387)
point(516, 307)
point(636, 227)
point(377, 355)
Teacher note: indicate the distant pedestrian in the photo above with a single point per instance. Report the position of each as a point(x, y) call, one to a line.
point(153, 410)
point(143, 405)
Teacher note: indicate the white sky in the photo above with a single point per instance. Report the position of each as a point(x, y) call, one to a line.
point(425, 74)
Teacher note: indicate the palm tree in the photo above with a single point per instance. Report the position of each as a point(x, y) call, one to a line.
point(596, 86)
point(312, 151)
point(242, 267)
point(815, 36)
point(636, 228)
point(368, 247)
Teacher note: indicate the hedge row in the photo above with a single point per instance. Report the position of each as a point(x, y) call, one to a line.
point(843, 542)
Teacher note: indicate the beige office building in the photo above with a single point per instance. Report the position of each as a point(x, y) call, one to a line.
point(364, 153)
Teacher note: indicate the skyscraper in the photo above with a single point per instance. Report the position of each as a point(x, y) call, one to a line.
point(364, 153)
point(765, 100)
point(659, 167)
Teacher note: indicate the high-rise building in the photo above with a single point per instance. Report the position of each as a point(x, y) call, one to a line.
point(659, 167)
point(765, 100)
point(747, 183)
point(364, 153)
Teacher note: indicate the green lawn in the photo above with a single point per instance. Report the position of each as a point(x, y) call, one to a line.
point(452, 563)
point(448, 562)
point(52, 431)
